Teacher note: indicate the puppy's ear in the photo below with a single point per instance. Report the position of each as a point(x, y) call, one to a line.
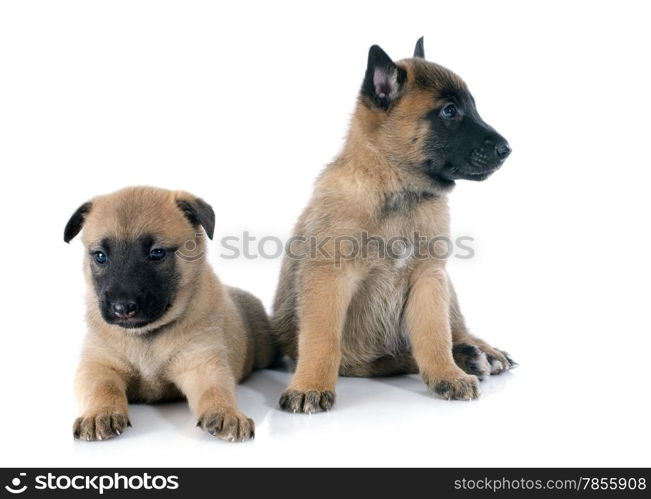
point(198, 212)
point(384, 81)
point(76, 222)
point(419, 50)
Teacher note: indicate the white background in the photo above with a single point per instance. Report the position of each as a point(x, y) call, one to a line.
point(243, 103)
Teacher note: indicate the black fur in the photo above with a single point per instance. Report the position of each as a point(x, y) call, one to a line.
point(442, 388)
point(464, 147)
point(466, 349)
point(419, 50)
point(512, 362)
point(130, 276)
point(76, 222)
point(377, 90)
point(469, 358)
point(198, 212)
point(404, 201)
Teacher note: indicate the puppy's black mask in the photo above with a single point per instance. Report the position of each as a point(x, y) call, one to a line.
point(460, 145)
point(135, 281)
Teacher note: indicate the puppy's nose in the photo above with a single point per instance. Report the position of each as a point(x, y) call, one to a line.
point(503, 149)
point(124, 309)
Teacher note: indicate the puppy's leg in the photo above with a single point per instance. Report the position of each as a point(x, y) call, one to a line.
point(428, 324)
point(327, 292)
point(472, 354)
point(209, 386)
point(101, 391)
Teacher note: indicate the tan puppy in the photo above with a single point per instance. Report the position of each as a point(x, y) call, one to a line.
point(161, 325)
point(374, 298)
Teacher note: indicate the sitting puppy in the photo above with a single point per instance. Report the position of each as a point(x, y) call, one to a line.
point(161, 325)
point(372, 308)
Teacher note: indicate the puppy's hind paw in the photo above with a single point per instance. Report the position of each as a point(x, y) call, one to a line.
point(472, 360)
point(499, 361)
point(481, 359)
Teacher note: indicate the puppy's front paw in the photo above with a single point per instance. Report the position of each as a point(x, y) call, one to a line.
point(461, 387)
point(227, 424)
point(102, 425)
point(307, 401)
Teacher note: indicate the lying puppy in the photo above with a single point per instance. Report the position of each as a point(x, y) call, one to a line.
point(161, 325)
point(362, 305)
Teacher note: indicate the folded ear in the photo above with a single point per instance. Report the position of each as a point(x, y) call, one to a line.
point(419, 50)
point(383, 82)
point(198, 212)
point(76, 222)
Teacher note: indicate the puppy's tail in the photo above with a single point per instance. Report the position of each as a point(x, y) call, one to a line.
point(264, 350)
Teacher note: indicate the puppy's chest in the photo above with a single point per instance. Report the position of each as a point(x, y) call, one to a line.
point(150, 381)
point(396, 246)
point(404, 240)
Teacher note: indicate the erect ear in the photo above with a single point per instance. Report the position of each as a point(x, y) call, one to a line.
point(419, 50)
point(384, 80)
point(198, 212)
point(76, 222)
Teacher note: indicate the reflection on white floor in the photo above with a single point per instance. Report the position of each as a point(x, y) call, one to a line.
point(520, 420)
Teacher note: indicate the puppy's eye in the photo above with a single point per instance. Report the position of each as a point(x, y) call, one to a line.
point(157, 254)
point(100, 257)
point(449, 111)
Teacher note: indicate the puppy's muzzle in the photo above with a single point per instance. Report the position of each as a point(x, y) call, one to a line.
point(491, 154)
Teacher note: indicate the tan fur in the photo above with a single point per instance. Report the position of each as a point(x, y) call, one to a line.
point(374, 316)
point(211, 338)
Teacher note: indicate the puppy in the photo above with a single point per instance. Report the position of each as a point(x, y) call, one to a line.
point(160, 324)
point(362, 305)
